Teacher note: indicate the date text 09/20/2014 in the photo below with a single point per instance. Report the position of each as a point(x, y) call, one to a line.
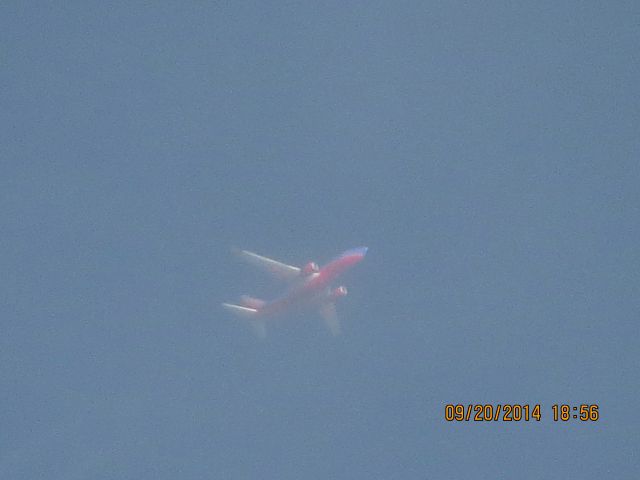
point(515, 412)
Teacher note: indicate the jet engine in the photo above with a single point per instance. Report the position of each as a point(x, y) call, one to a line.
point(338, 292)
point(310, 268)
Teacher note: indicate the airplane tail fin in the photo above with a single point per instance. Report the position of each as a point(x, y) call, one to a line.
point(251, 314)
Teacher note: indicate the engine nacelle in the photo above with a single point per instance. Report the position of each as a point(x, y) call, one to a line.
point(338, 292)
point(310, 268)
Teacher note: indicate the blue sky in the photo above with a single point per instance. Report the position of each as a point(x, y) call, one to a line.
point(486, 153)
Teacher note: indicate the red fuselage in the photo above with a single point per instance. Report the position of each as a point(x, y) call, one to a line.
point(316, 285)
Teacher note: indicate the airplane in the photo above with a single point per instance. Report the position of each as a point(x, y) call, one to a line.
point(309, 286)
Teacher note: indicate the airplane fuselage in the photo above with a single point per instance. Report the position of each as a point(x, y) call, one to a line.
point(310, 286)
point(316, 286)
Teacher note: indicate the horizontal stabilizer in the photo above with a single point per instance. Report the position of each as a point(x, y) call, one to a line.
point(331, 320)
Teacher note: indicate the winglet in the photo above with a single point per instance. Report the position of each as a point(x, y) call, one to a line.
point(251, 302)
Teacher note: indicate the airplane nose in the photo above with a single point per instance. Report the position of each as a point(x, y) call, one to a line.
point(359, 252)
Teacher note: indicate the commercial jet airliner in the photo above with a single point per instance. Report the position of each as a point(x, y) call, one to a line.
point(310, 286)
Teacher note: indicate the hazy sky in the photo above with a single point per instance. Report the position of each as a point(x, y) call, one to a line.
point(486, 153)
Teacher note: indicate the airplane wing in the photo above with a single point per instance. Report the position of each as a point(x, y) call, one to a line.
point(278, 269)
point(257, 324)
point(328, 312)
